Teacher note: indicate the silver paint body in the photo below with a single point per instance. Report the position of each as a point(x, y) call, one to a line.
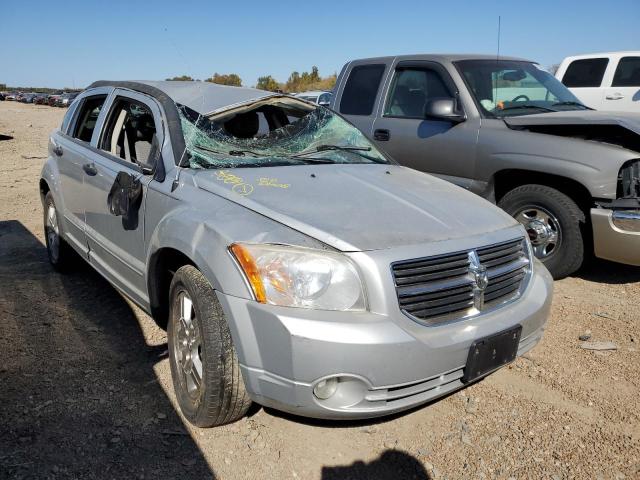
point(471, 153)
point(375, 214)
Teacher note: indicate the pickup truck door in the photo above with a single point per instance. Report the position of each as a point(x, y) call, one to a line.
point(443, 148)
point(116, 241)
point(623, 94)
point(70, 147)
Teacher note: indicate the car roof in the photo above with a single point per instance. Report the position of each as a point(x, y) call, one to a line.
point(203, 97)
point(618, 54)
point(440, 57)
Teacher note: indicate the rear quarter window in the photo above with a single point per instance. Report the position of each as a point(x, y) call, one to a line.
point(585, 73)
point(361, 90)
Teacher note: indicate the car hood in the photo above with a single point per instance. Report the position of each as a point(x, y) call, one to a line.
point(358, 207)
point(616, 128)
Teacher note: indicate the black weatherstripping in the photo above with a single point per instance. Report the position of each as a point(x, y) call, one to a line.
point(170, 111)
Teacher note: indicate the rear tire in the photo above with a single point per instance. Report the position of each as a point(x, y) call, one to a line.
point(61, 256)
point(553, 221)
point(204, 364)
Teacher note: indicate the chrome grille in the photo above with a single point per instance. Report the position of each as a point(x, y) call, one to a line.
point(457, 285)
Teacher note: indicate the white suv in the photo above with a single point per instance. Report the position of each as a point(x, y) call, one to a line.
point(604, 81)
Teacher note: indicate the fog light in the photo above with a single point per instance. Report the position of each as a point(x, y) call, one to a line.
point(325, 388)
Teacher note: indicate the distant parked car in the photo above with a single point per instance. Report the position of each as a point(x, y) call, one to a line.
point(604, 81)
point(51, 101)
point(11, 96)
point(66, 99)
point(27, 97)
point(1, 97)
point(319, 96)
point(41, 99)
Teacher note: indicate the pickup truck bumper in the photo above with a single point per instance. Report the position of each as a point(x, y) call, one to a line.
point(383, 369)
point(616, 235)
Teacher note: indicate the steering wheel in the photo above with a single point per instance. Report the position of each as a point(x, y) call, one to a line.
point(521, 97)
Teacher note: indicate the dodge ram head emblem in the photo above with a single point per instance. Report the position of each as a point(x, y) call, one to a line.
point(480, 279)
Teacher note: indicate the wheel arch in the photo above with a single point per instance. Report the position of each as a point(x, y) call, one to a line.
point(508, 179)
point(163, 263)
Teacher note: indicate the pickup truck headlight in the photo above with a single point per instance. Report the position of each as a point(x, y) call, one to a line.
point(300, 277)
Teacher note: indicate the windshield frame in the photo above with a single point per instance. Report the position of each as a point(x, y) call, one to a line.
point(458, 64)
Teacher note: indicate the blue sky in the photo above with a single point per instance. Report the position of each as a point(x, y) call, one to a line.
point(60, 44)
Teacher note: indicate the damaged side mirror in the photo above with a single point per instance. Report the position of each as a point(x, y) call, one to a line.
point(125, 198)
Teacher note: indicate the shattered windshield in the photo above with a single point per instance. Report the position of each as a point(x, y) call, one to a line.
point(270, 132)
point(509, 88)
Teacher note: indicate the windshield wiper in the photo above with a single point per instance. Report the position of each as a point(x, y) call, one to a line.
point(233, 153)
point(571, 104)
point(356, 150)
point(527, 105)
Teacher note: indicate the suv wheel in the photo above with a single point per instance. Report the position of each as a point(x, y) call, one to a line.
point(553, 222)
point(204, 365)
point(61, 255)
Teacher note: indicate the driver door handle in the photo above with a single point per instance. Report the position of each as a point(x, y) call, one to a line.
point(90, 169)
point(614, 96)
point(382, 135)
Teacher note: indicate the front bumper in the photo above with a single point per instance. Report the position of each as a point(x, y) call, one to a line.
point(385, 366)
point(616, 235)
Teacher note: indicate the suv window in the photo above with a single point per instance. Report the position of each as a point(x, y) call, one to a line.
point(627, 73)
point(87, 117)
point(67, 117)
point(585, 73)
point(361, 90)
point(410, 91)
point(129, 131)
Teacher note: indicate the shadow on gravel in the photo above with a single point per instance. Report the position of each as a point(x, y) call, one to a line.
point(603, 271)
point(391, 465)
point(5, 137)
point(79, 397)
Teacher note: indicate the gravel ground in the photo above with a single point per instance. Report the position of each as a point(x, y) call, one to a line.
point(85, 389)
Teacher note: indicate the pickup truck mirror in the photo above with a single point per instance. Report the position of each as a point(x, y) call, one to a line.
point(443, 109)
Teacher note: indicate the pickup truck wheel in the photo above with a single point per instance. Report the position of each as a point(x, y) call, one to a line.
point(553, 222)
point(61, 256)
point(204, 365)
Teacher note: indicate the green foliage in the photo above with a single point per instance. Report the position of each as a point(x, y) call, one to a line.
point(226, 79)
point(298, 82)
point(181, 78)
point(268, 83)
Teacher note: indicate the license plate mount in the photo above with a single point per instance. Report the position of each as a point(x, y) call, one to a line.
point(490, 353)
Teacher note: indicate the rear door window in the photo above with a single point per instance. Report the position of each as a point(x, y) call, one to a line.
point(585, 73)
point(87, 117)
point(410, 91)
point(361, 90)
point(627, 73)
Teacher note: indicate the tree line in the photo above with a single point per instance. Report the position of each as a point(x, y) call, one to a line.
point(297, 82)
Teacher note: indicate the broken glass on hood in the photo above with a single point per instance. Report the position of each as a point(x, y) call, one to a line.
point(277, 130)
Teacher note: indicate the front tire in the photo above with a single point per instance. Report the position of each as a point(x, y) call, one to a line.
point(553, 221)
point(204, 364)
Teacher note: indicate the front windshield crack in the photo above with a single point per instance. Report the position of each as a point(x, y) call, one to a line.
point(273, 132)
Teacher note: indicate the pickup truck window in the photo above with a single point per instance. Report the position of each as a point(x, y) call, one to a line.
point(508, 88)
point(87, 117)
point(627, 73)
point(411, 89)
point(587, 72)
point(360, 92)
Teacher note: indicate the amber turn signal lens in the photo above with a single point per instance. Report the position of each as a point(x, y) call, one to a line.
point(248, 265)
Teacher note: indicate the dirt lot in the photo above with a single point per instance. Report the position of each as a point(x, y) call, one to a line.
point(85, 389)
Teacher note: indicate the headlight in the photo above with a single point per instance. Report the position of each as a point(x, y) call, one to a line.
point(300, 277)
